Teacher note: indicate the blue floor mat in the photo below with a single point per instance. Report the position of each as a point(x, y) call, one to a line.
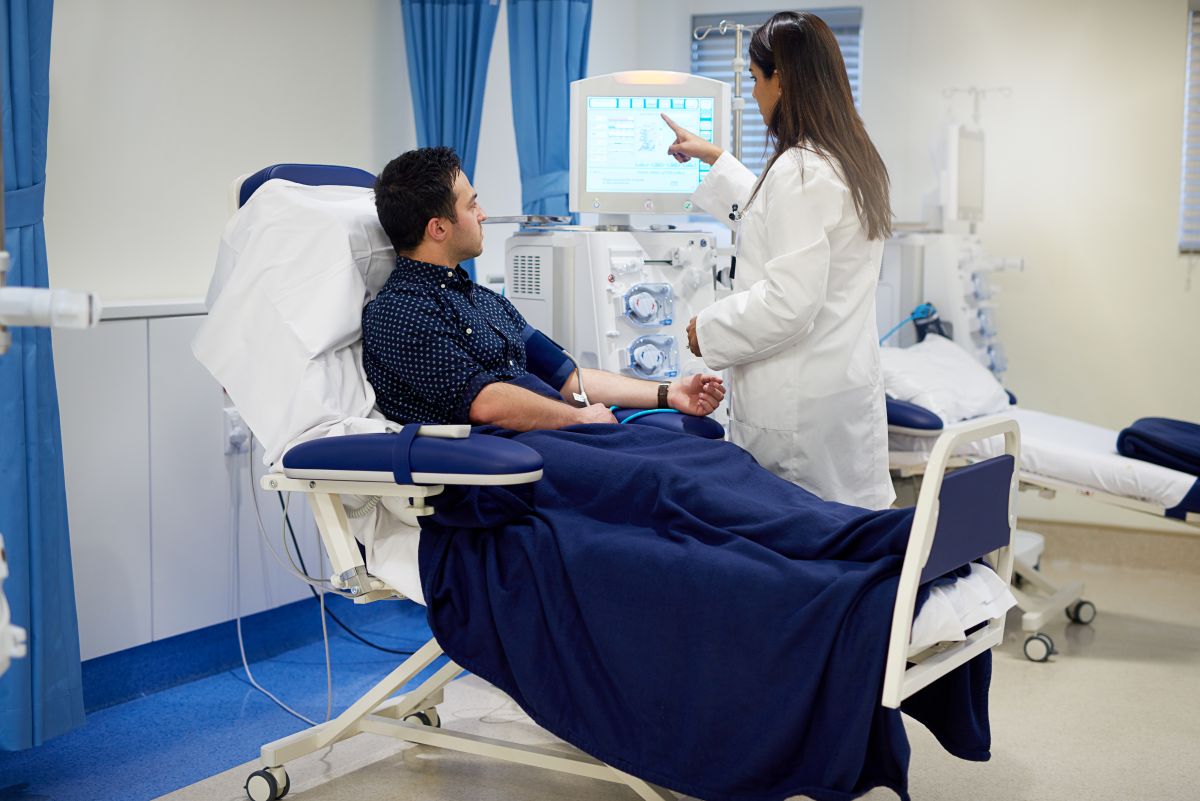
point(141, 749)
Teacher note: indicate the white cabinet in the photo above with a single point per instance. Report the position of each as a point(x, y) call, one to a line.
point(149, 490)
point(104, 407)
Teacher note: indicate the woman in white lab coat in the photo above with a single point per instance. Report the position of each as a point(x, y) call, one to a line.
point(798, 335)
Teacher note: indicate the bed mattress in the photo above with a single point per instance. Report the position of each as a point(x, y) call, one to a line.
point(1076, 452)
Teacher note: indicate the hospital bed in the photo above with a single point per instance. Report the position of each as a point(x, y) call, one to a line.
point(295, 267)
point(1058, 454)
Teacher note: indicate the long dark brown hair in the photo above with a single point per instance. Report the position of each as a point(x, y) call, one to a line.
point(816, 110)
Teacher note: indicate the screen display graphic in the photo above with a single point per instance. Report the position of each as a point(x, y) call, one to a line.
point(627, 143)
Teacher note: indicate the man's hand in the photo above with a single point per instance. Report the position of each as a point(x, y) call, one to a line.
point(688, 145)
point(693, 342)
point(698, 394)
point(596, 413)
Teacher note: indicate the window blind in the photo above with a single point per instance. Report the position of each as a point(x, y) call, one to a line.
point(713, 57)
point(1189, 203)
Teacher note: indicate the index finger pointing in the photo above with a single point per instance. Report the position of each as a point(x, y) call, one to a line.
point(671, 123)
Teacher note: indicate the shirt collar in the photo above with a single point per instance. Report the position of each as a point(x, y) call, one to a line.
point(410, 271)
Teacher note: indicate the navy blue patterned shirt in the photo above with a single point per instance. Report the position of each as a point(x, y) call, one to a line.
point(433, 338)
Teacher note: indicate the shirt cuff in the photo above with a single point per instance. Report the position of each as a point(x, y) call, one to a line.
point(474, 386)
point(728, 181)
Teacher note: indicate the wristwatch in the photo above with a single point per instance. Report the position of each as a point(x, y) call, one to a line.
point(662, 396)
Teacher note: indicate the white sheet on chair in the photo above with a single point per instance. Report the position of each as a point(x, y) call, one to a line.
point(283, 332)
point(1076, 452)
point(392, 557)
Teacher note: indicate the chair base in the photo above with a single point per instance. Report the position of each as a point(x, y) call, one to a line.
point(412, 717)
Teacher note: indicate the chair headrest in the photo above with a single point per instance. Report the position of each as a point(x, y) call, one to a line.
point(308, 174)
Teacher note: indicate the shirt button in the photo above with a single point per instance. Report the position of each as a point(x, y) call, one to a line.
point(443, 286)
point(468, 330)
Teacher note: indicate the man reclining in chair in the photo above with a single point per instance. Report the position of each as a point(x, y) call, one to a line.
point(619, 597)
point(439, 348)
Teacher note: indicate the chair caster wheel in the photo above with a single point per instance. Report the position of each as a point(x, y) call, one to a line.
point(1038, 648)
point(1083, 612)
point(264, 785)
point(425, 717)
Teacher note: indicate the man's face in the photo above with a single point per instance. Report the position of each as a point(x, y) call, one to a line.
point(466, 234)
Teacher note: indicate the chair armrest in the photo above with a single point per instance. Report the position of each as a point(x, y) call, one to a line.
point(415, 456)
point(909, 418)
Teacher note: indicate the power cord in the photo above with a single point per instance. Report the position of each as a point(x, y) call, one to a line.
point(235, 506)
point(328, 611)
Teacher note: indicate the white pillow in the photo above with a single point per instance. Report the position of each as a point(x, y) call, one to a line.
point(940, 376)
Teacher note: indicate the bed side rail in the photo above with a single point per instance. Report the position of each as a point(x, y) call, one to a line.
point(958, 518)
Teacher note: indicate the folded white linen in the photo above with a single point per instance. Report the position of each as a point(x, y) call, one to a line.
point(953, 609)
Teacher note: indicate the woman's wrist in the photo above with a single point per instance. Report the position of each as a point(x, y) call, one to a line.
point(711, 157)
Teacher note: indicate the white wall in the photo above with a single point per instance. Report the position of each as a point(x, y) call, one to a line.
point(157, 105)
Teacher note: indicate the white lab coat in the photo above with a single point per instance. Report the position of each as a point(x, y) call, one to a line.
point(798, 335)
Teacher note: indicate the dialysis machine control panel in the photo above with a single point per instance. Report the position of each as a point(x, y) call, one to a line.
point(620, 300)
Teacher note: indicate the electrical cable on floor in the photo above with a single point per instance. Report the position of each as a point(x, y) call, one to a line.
point(235, 506)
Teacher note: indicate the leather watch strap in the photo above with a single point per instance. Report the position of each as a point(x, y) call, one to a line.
point(662, 396)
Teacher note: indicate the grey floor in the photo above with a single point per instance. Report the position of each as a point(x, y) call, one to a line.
point(1114, 715)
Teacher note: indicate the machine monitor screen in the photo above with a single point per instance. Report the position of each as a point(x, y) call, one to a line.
point(627, 143)
point(619, 163)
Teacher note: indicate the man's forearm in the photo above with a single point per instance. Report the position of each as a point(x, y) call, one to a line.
point(518, 409)
point(613, 389)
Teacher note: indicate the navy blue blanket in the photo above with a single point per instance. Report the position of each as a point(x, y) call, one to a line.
point(1170, 443)
point(665, 604)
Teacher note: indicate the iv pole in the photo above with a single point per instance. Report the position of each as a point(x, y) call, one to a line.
point(738, 103)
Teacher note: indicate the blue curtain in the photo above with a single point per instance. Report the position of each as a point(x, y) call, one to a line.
point(41, 696)
point(547, 49)
point(448, 44)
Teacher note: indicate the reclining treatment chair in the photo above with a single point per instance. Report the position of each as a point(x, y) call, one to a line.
point(282, 336)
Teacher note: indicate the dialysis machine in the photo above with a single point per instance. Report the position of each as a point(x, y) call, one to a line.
point(616, 296)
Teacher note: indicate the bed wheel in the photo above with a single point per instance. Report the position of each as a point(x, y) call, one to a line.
point(264, 785)
point(1083, 612)
point(426, 717)
point(287, 785)
point(1039, 647)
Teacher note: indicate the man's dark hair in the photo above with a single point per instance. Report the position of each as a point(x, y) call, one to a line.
point(414, 188)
